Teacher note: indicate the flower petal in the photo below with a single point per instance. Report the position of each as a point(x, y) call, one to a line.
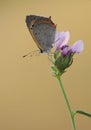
point(58, 35)
point(58, 39)
point(61, 39)
point(66, 37)
point(77, 47)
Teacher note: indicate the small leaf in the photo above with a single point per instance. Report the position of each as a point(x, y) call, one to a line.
point(83, 113)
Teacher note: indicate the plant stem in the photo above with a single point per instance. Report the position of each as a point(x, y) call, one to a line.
point(67, 102)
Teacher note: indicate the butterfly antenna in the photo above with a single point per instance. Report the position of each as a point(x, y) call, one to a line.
point(32, 53)
point(50, 56)
point(27, 54)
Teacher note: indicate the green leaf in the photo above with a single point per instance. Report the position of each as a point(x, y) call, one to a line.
point(83, 113)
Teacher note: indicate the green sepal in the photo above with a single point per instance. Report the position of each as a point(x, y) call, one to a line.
point(61, 62)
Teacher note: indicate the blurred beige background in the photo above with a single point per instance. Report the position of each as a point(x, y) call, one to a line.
point(30, 97)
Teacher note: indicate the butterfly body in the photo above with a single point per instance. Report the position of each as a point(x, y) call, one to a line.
point(42, 30)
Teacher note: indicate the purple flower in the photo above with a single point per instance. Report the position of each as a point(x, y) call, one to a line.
point(61, 43)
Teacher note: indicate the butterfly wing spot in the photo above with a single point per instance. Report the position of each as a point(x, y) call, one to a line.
point(32, 25)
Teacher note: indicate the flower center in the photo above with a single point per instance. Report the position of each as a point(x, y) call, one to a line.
point(63, 47)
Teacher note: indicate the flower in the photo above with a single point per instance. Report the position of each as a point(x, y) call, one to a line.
point(63, 55)
point(61, 43)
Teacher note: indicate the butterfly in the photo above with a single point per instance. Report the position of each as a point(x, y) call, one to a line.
point(42, 30)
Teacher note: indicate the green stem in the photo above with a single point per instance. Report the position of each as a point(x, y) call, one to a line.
point(67, 102)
